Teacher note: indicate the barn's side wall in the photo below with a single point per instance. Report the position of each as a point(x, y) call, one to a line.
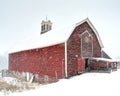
point(98, 65)
point(102, 65)
point(43, 61)
point(74, 47)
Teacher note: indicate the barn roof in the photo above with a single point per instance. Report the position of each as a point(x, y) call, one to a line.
point(52, 37)
point(105, 59)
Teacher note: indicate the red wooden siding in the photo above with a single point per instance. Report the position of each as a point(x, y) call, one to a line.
point(74, 47)
point(81, 65)
point(43, 61)
point(102, 65)
point(98, 65)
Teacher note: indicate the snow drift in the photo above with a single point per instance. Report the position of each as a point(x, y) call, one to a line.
point(88, 84)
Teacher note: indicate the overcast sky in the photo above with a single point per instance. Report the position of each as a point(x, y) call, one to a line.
point(20, 19)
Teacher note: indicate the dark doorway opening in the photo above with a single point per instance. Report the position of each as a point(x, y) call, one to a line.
point(86, 63)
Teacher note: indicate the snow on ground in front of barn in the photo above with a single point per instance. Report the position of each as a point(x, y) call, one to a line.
point(87, 84)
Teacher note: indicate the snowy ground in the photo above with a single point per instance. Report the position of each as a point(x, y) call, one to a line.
point(87, 84)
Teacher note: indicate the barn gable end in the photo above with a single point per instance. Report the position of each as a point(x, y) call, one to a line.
point(82, 43)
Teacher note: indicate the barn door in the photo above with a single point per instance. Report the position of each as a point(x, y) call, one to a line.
point(81, 65)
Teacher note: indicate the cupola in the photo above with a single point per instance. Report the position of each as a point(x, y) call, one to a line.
point(46, 26)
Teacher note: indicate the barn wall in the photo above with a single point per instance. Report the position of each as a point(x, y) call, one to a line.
point(43, 61)
point(102, 65)
point(98, 65)
point(74, 47)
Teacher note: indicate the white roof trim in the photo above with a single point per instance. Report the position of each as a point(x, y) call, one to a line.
point(93, 28)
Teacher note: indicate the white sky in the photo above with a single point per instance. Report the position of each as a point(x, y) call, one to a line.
point(20, 19)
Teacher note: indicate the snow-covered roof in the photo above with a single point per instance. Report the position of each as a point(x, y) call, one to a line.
point(52, 37)
point(105, 59)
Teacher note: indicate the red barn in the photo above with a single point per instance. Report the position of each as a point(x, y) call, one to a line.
point(62, 53)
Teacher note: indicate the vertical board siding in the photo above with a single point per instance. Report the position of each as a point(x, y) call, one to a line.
point(74, 47)
point(43, 61)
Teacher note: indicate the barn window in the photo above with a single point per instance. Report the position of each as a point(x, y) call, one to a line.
point(86, 44)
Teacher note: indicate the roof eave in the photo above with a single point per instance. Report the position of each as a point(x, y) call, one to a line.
point(93, 28)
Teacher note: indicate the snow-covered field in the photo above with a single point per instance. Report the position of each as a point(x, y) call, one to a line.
point(87, 84)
